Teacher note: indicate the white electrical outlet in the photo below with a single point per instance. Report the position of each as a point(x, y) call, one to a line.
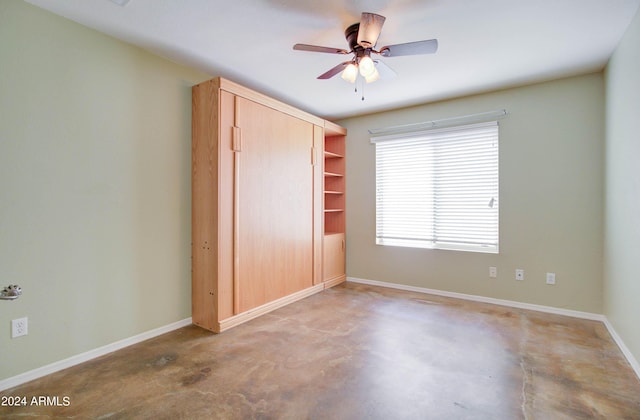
point(19, 327)
point(519, 274)
point(493, 272)
point(551, 278)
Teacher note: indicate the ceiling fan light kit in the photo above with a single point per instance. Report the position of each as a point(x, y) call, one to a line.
point(367, 68)
point(362, 38)
point(350, 73)
point(375, 75)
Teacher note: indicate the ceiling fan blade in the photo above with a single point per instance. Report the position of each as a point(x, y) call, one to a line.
point(370, 28)
point(410, 48)
point(315, 48)
point(337, 69)
point(385, 71)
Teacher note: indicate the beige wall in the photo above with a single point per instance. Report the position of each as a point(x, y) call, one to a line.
point(551, 210)
point(94, 188)
point(622, 198)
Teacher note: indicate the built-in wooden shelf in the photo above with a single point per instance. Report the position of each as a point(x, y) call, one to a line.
point(334, 204)
point(331, 155)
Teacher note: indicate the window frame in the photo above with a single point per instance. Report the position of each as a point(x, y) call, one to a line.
point(434, 138)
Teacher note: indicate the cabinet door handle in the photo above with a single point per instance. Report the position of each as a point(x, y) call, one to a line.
point(236, 136)
point(343, 245)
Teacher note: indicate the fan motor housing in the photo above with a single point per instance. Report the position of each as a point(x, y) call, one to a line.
point(351, 33)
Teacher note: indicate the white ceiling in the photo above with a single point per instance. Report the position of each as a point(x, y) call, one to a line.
point(483, 45)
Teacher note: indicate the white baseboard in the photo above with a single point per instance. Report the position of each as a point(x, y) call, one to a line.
point(91, 354)
point(623, 347)
point(475, 298)
point(514, 304)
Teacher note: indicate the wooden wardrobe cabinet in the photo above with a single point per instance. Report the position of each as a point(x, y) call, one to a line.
point(258, 182)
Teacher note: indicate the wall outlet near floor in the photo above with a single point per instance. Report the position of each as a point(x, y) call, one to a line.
point(493, 272)
point(519, 274)
point(19, 327)
point(551, 278)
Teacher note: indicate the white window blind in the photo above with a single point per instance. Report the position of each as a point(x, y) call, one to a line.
point(438, 188)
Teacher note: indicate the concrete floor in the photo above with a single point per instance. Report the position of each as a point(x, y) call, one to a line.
point(358, 352)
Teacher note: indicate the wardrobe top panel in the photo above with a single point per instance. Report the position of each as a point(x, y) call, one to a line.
point(239, 90)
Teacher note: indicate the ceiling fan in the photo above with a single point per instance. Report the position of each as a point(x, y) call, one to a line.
point(362, 38)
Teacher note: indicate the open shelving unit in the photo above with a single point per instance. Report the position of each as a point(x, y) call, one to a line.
point(334, 203)
point(334, 184)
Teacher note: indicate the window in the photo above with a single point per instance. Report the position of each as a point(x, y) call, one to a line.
point(438, 188)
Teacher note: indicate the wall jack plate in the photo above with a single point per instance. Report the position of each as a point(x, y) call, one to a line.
point(551, 278)
point(519, 274)
point(19, 327)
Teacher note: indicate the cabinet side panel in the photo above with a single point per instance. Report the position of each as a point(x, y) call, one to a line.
point(318, 202)
point(226, 206)
point(204, 169)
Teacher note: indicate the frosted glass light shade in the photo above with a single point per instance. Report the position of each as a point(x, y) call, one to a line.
point(350, 73)
point(373, 77)
point(367, 67)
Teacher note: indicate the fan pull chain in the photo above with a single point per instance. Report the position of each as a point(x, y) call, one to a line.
point(355, 90)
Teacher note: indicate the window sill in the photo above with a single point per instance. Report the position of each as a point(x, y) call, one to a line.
point(488, 249)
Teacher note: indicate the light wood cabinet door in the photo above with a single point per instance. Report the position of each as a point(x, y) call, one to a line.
point(334, 256)
point(274, 204)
